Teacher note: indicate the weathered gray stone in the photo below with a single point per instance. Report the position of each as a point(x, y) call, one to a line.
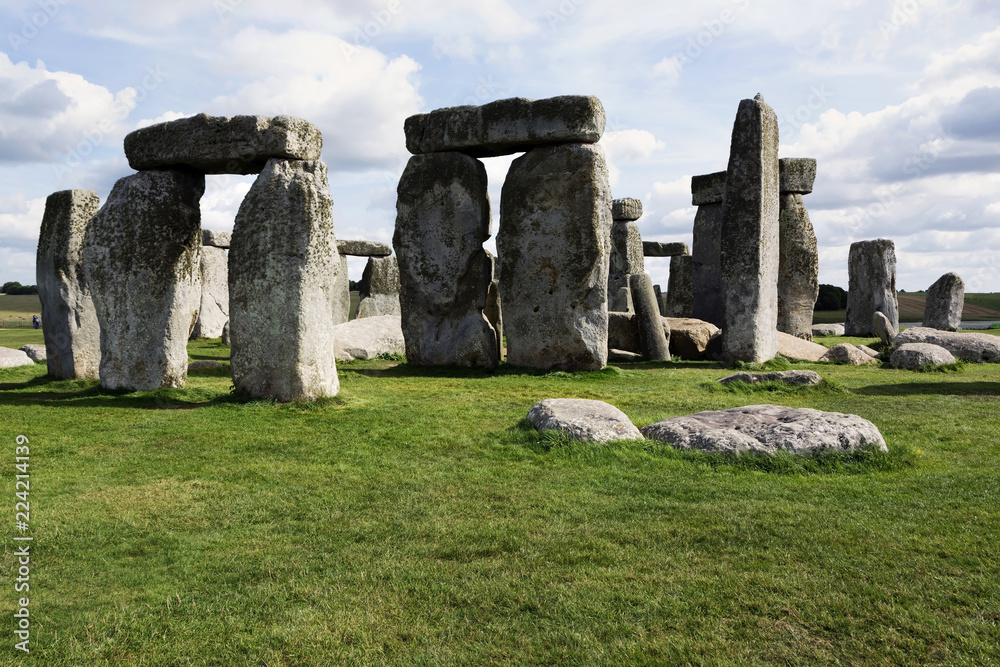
point(72, 333)
point(506, 126)
point(442, 220)
point(623, 331)
point(223, 144)
point(625, 259)
point(205, 365)
point(493, 311)
point(356, 248)
point(623, 356)
point(708, 188)
point(368, 338)
point(624, 302)
point(871, 269)
point(828, 330)
point(965, 345)
point(283, 266)
point(213, 312)
point(379, 288)
point(883, 328)
point(767, 429)
point(34, 352)
point(793, 378)
point(797, 349)
point(553, 251)
point(659, 249)
point(680, 294)
point(689, 337)
point(749, 244)
point(660, 301)
point(142, 255)
point(216, 239)
point(225, 334)
point(582, 419)
point(626, 209)
point(869, 351)
point(798, 267)
point(911, 356)
point(341, 292)
point(13, 358)
point(945, 302)
point(845, 353)
point(654, 343)
point(796, 175)
point(706, 271)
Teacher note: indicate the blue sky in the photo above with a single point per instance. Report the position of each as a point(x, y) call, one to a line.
point(898, 100)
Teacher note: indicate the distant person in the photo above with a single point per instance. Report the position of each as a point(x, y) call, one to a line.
point(35, 322)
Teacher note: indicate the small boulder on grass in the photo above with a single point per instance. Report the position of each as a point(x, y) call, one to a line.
point(828, 330)
point(883, 327)
point(845, 353)
point(12, 358)
point(583, 419)
point(911, 356)
point(793, 378)
point(36, 352)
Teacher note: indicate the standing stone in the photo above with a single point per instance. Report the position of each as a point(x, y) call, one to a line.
point(341, 293)
point(653, 342)
point(680, 293)
point(553, 249)
point(749, 245)
point(945, 302)
point(626, 251)
point(442, 220)
point(884, 329)
point(379, 288)
point(871, 286)
point(798, 264)
point(660, 301)
point(494, 310)
point(72, 333)
point(214, 310)
point(283, 268)
point(706, 273)
point(142, 253)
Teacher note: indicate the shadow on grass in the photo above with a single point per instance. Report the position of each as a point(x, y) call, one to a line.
point(931, 388)
point(404, 370)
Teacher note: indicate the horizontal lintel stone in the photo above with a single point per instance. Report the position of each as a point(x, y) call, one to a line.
point(796, 175)
point(356, 248)
point(657, 249)
point(708, 188)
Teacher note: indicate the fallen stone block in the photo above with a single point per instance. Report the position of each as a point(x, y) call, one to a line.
point(582, 419)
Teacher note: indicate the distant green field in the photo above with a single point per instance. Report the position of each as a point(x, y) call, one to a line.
point(17, 310)
point(986, 300)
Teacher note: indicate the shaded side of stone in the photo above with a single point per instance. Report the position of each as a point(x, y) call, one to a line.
point(797, 175)
point(706, 270)
point(223, 144)
point(442, 220)
point(708, 188)
point(506, 126)
point(142, 257)
point(626, 209)
point(283, 267)
point(70, 328)
point(379, 288)
point(659, 249)
point(945, 302)
point(798, 268)
point(871, 267)
point(749, 246)
point(553, 248)
point(680, 289)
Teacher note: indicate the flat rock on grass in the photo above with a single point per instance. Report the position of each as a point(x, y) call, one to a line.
point(828, 330)
point(794, 378)
point(10, 358)
point(967, 346)
point(845, 353)
point(582, 419)
point(797, 349)
point(368, 337)
point(767, 429)
point(912, 356)
point(36, 352)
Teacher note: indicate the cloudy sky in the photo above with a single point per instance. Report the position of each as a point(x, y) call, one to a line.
point(898, 100)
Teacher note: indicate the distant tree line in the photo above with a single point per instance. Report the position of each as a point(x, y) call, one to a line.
point(13, 288)
point(831, 297)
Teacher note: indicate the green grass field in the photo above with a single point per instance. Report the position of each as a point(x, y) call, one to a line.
point(414, 519)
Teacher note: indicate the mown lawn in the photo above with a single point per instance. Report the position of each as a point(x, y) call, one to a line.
point(414, 519)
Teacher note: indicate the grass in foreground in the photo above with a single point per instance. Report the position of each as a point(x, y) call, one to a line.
point(413, 519)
